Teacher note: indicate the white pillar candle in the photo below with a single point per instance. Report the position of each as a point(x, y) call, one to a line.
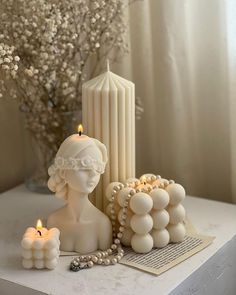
point(108, 104)
point(40, 247)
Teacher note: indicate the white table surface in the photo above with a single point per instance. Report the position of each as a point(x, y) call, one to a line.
point(211, 271)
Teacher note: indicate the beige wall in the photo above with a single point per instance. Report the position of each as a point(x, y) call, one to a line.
point(11, 145)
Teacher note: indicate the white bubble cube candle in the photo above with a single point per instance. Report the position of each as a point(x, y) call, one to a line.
point(40, 247)
point(154, 214)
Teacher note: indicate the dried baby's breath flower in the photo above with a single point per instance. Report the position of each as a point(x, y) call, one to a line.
point(48, 48)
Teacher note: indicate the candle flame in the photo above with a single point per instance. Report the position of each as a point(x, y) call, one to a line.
point(80, 129)
point(39, 225)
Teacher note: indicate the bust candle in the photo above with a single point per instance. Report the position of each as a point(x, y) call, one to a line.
point(75, 173)
point(40, 247)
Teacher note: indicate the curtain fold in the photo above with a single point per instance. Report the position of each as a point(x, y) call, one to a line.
point(182, 60)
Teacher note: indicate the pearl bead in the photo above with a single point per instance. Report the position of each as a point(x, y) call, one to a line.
point(110, 188)
point(108, 209)
point(94, 259)
point(126, 203)
point(90, 263)
point(161, 238)
point(176, 193)
point(109, 251)
point(141, 224)
point(113, 247)
point(118, 257)
point(113, 260)
point(142, 243)
point(165, 181)
point(147, 177)
point(177, 213)
point(123, 216)
point(119, 235)
point(99, 255)
point(160, 198)
point(177, 232)
point(99, 261)
point(107, 261)
point(141, 203)
point(120, 250)
point(128, 217)
point(117, 241)
point(160, 218)
point(132, 192)
point(131, 181)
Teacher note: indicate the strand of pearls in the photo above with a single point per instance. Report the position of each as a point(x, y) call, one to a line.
point(114, 254)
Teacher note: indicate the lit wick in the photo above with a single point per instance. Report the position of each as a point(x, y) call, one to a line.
point(39, 226)
point(80, 129)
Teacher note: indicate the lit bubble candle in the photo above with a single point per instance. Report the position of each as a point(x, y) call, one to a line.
point(40, 247)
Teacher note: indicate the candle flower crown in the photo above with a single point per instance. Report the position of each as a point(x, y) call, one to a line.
point(85, 163)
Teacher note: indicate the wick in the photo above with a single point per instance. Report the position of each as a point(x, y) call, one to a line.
point(108, 65)
point(80, 133)
point(39, 232)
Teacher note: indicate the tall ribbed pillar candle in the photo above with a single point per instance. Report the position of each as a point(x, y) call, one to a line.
point(108, 105)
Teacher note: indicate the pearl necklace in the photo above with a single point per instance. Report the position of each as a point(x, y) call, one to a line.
point(114, 254)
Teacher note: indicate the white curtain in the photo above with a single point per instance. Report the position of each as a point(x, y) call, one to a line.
point(183, 62)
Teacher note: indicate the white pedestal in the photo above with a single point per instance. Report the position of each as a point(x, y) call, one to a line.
point(211, 271)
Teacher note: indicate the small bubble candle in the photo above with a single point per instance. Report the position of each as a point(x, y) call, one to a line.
point(40, 247)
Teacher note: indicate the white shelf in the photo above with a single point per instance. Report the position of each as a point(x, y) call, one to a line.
point(213, 268)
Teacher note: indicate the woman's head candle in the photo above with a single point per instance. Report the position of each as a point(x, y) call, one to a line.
point(75, 173)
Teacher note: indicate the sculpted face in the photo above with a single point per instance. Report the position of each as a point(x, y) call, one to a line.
point(86, 179)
